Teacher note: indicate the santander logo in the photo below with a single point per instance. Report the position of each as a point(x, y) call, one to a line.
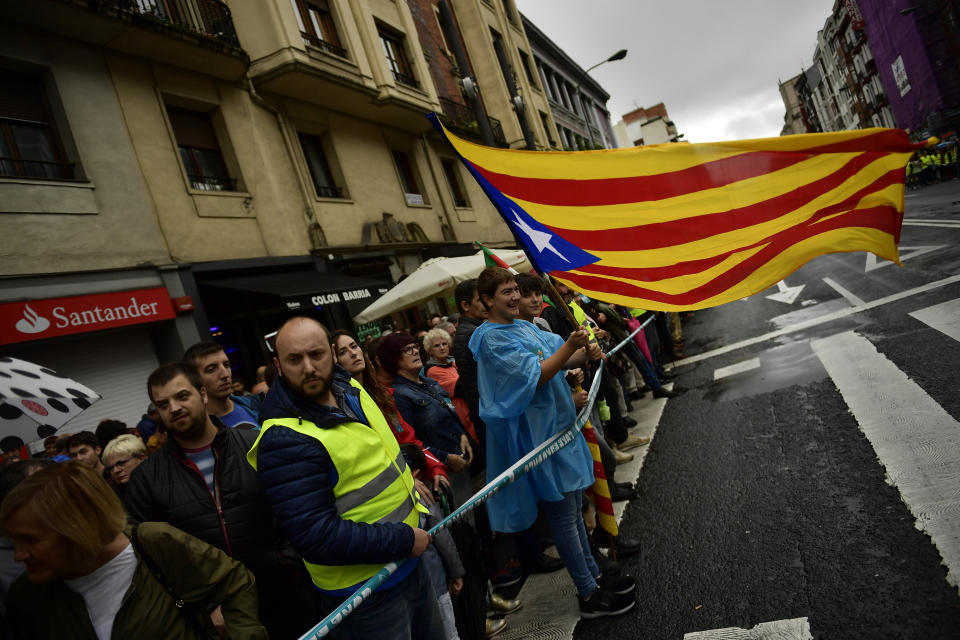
point(32, 322)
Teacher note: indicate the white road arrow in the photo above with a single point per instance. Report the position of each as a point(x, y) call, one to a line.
point(785, 293)
point(911, 252)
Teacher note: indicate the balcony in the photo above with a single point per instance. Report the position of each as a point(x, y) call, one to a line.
point(461, 119)
point(329, 47)
point(191, 34)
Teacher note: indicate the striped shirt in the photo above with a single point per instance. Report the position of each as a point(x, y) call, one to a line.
point(204, 460)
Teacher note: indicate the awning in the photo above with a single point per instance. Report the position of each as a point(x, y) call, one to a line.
point(308, 289)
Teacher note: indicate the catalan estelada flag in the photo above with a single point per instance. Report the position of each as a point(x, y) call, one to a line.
point(689, 226)
point(600, 491)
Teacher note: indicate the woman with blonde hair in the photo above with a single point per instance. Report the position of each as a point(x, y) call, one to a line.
point(122, 455)
point(88, 576)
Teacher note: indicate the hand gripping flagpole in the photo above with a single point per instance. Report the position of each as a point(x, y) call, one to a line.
point(528, 462)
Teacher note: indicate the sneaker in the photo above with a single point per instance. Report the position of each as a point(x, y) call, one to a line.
point(622, 457)
point(504, 605)
point(632, 442)
point(623, 545)
point(616, 584)
point(605, 603)
point(629, 422)
point(545, 564)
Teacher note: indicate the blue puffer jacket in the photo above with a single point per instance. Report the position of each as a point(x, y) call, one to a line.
point(298, 477)
point(429, 410)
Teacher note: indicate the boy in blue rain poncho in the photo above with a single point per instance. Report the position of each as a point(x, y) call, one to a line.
point(523, 402)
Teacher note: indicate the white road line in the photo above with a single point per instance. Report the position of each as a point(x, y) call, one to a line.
point(945, 224)
point(739, 367)
point(944, 317)
point(937, 220)
point(915, 439)
point(851, 298)
point(793, 629)
point(813, 322)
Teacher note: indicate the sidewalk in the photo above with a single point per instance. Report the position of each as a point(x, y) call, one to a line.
point(549, 601)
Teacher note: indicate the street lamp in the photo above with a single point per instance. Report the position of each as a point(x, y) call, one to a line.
point(619, 55)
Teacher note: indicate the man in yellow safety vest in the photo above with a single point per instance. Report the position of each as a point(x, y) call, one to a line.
point(340, 487)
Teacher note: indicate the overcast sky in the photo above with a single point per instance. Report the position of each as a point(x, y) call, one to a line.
point(713, 63)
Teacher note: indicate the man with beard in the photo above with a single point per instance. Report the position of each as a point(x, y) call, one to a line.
point(340, 486)
point(200, 482)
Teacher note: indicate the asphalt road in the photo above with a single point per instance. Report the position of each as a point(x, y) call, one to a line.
point(762, 495)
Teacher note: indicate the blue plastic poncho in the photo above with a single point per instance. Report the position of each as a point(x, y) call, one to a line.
point(519, 416)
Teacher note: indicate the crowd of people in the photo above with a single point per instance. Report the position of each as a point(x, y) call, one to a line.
point(931, 166)
point(226, 513)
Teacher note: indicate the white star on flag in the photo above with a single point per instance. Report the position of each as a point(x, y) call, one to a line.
point(540, 239)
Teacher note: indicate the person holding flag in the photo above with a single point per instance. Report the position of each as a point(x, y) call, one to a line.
point(524, 402)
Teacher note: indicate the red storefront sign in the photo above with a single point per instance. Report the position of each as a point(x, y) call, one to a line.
point(38, 319)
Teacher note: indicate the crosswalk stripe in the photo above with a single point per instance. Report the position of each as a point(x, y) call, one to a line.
point(850, 297)
point(738, 367)
point(792, 629)
point(914, 437)
point(944, 317)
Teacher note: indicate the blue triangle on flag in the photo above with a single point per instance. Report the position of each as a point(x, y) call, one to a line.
point(547, 251)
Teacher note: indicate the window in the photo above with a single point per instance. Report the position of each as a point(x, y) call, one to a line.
point(545, 121)
point(323, 181)
point(29, 146)
point(199, 150)
point(408, 179)
point(527, 66)
point(453, 180)
point(508, 9)
point(317, 26)
point(397, 58)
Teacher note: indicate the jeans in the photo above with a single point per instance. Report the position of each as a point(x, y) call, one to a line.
point(406, 612)
point(570, 538)
point(645, 368)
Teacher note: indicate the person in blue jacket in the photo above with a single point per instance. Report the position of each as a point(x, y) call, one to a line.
point(523, 402)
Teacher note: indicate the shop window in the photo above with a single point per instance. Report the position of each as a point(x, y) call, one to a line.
point(29, 143)
point(320, 171)
point(317, 25)
point(528, 68)
point(453, 181)
point(393, 49)
point(199, 150)
point(408, 178)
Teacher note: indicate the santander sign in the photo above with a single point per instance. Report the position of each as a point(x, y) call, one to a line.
point(37, 319)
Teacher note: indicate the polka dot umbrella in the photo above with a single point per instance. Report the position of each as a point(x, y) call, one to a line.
point(35, 401)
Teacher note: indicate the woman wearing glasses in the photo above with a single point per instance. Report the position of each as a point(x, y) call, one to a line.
point(122, 455)
point(424, 404)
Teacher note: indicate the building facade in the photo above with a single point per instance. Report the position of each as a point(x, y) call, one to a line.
point(577, 117)
point(173, 171)
point(917, 49)
point(646, 126)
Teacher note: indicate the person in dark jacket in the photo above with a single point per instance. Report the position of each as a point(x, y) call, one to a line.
point(335, 477)
point(473, 314)
point(200, 482)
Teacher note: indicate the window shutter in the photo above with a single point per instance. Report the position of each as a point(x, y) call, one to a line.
point(21, 97)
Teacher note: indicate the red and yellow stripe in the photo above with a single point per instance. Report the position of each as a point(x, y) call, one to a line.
point(688, 226)
point(600, 489)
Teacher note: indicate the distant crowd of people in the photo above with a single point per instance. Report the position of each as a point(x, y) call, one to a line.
point(930, 166)
point(255, 514)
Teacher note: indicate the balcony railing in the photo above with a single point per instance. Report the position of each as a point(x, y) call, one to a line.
point(329, 47)
point(460, 118)
point(403, 78)
point(329, 192)
point(207, 18)
point(211, 183)
point(42, 169)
